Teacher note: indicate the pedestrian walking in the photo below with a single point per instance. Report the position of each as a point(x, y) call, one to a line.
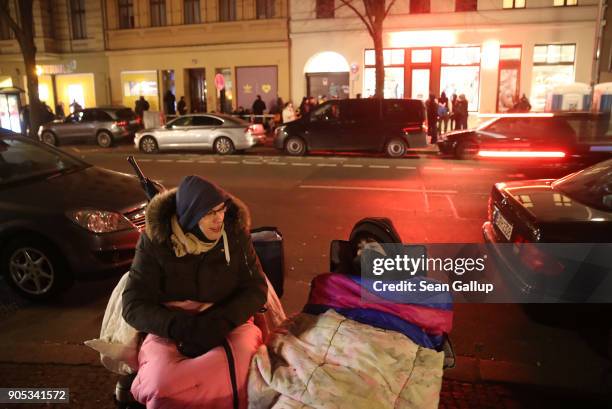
point(198, 246)
point(289, 113)
point(75, 106)
point(462, 112)
point(258, 109)
point(182, 106)
point(169, 101)
point(443, 113)
point(142, 105)
point(431, 107)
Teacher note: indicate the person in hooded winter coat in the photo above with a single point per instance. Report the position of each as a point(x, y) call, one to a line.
point(194, 285)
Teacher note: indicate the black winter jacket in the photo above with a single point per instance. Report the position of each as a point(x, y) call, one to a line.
point(238, 290)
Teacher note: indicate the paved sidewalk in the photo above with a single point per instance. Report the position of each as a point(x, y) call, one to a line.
point(92, 386)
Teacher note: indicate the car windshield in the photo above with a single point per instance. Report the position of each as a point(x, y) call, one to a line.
point(21, 159)
point(591, 186)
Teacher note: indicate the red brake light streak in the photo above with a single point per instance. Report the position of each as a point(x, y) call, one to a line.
point(521, 154)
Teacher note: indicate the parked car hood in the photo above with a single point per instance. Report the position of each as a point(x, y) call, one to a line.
point(547, 204)
point(91, 187)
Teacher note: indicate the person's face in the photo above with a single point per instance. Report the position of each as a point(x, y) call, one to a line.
point(212, 222)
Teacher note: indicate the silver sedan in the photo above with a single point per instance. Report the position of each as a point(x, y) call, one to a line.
point(220, 133)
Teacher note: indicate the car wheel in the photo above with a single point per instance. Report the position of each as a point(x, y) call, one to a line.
point(396, 148)
point(224, 146)
point(35, 269)
point(49, 138)
point(295, 146)
point(148, 144)
point(104, 139)
point(466, 150)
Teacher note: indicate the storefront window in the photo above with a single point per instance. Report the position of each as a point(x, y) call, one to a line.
point(225, 97)
point(76, 87)
point(140, 83)
point(420, 83)
point(553, 65)
point(509, 53)
point(421, 56)
point(509, 77)
point(460, 73)
point(394, 73)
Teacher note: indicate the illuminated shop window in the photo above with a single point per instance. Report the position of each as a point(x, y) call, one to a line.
point(420, 56)
point(394, 73)
point(561, 3)
point(510, 53)
point(460, 73)
point(553, 64)
point(513, 4)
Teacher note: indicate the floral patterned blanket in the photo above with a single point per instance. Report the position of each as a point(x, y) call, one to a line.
point(329, 361)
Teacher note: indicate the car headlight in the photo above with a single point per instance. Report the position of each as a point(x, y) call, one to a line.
point(100, 221)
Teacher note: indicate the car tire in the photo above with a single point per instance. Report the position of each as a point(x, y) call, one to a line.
point(34, 268)
point(295, 146)
point(466, 150)
point(49, 138)
point(396, 148)
point(224, 146)
point(148, 144)
point(104, 139)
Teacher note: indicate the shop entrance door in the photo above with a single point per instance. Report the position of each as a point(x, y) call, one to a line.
point(420, 83)
point(197, 89)
point(333, 85)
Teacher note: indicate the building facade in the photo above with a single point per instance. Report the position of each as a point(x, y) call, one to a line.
point(493, 51)
point(218, 54)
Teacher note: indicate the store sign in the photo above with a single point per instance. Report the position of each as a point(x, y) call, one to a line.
point(68, 68)
point(253, 81)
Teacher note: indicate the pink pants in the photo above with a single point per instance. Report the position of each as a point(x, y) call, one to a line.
point(166, 379)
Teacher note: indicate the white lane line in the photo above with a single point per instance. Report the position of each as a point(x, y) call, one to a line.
point(379, 189)
point(327, 165)
point(301, 164)
point(184, 161)
point(452, 206)
point(164, 160)
point(144, 160)
point(379, 166)
point(276, 163)
point(206, 161)
point(433, 168)
point(349, 165)
point(230, 162)
point(250, 162)
point(406, 167)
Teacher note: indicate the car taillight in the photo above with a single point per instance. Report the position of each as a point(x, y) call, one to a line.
point(121, 124)
point(535, 259)
point(138, 120)
point(409, 129)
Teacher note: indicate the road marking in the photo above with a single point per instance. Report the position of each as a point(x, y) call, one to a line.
point(164, 160)
point(452, 206)
point(348, 165)
point(206, 161)
point(380, 189)
point(230, 162)
point(250, 162)
point(433, 168)
point(301, 164)
point(276, 163)
point(327, 165)
point(462, 169)
point(379, 166)
point(184, 161)
point(406, 167)
point(145, 160)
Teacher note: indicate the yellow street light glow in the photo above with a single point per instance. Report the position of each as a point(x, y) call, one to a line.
point(39, 70)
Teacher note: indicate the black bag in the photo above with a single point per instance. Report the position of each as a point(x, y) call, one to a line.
point(268, 243)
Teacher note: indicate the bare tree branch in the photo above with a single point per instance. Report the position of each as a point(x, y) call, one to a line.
point(389, 8)
point(352, 7)
point(5, 16)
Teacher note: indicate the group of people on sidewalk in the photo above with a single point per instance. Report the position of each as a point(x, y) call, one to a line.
point(441, 111)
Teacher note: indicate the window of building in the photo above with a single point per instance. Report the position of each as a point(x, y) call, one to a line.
point(460, 73)
point(77, 13)
point(513, 4)
point(48, 19)
point(126, 14)
point(466, 5)
point(325, 8)
point(553, 64)
point(265, 9)
point(561, 3)
point(508, 77)
point(158, 13)
point(419, 6)
point(227, 10)
point(394, 73)
point(192, 12)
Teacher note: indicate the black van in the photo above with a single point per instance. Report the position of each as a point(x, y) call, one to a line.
point(382, 125)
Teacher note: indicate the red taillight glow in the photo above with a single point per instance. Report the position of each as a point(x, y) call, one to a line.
point(121, 124)
point(521, 154)
point(534, 258)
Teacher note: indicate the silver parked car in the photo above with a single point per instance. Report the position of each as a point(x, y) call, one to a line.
point(223, 134)
point(104, 125)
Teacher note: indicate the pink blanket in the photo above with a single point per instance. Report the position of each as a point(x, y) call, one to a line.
point(168, 380)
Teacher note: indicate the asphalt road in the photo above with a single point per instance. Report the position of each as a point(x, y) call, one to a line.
point(316, 199)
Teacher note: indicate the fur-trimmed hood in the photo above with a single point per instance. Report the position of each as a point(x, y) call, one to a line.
point(163, 206)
